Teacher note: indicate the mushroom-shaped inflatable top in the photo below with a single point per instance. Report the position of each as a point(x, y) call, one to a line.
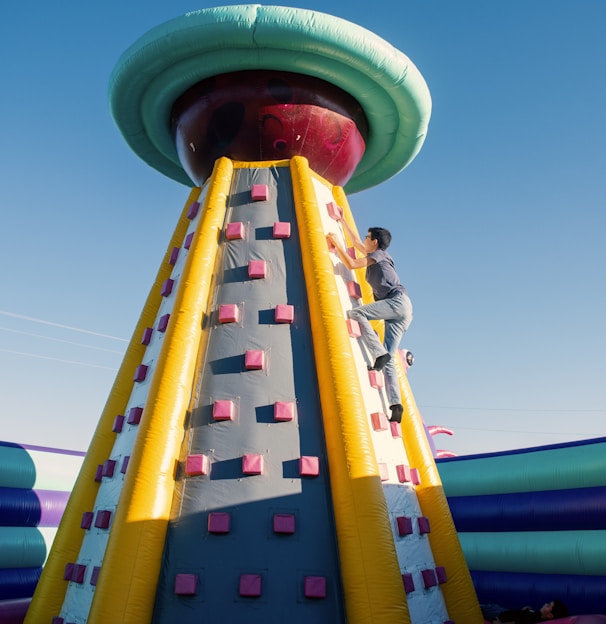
point(173, 57)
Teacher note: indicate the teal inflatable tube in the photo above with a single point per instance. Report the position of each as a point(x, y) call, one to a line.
point(17, 467)
point(575, 552)
point(24, 547)
point(38, 467)
point(529, 470)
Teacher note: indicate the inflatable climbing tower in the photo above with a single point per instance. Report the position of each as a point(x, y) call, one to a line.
point(244, 469)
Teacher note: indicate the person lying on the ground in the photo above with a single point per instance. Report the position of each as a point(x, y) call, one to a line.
point(549, 611)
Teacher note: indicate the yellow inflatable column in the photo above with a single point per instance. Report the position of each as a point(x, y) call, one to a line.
point(459, 593)
point(371, 576)
point(126, 588)
point(51, 588)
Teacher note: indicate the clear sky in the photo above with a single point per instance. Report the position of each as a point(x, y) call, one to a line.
point(499, 224)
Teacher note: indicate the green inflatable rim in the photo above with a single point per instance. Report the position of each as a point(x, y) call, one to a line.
point(172, 57)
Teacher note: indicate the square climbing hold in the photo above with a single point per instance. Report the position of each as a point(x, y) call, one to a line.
point(254, 359)
point(315, 586)
point(429, 578)
point(379, 421)
point(281, 229)
point(409, 584)
point(163, 322)
point(147, 335)
point(174, 255)
point(259, 192)
point(353, 290)
point(404, 525)
point(415, 476)
point(167, 287)
point(68, 571)
point(252, 464)
point(423, 523)
point(94, 577)
point(186, 584)
point(234, 230)
point(309, 466)
point(219, 522)
point(257, 269)
point(78, 573)
point(403, 473)
point(192, 211)
point(140, 373)
point(334, 211)
point(196, 465)
point(284, 313)
point(284, 523)
point(353, 328)
point(109, 467)
point(102, 518)
point(376, 379)
point(229, 313)
point(223, 410)
point(134, 415)
point(284, 411)
point(250, 585)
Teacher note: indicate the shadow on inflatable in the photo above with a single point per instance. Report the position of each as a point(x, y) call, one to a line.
point(532, 522)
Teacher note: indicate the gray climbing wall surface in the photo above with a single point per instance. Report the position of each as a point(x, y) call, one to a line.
point(242, 544)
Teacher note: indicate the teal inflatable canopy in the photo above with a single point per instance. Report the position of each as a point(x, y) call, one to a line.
point(172, 57)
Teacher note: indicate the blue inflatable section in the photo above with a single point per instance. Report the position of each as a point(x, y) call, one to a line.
point(18, 582)
point(532, 523)
point(35, 484)
point(553, 510)
point(31, 508)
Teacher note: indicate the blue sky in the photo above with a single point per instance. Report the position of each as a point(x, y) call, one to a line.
point(499, 224)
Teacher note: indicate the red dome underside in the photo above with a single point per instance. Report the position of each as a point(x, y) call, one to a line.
point(269, 115)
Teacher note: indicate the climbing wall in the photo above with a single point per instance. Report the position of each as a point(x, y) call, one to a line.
point(245, 438)
point(251, 526)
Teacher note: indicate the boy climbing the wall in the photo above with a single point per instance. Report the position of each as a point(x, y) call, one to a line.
point(391, 305)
